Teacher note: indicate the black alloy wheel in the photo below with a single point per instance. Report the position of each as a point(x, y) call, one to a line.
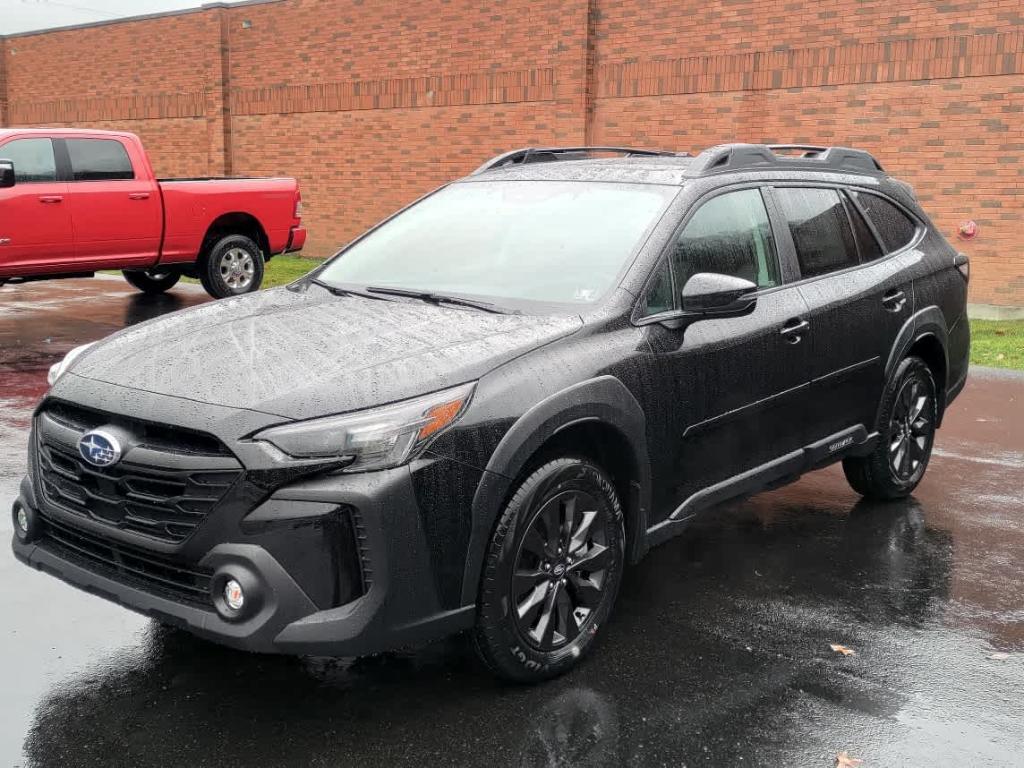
point(551, 571)
point(561, 570)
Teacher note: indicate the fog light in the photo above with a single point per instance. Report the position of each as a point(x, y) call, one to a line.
point(234, 597)
point(22, 519)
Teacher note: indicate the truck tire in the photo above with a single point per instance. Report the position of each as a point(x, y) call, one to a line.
point(233, 266)
point(906, 426)
point(154, 280)
point(552, 572)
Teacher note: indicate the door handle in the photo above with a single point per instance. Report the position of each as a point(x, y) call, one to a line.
point(893, 301)
point(51, 199)
point(138, 195)
point(793, 331)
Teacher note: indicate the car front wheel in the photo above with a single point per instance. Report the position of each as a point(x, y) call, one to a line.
point(552, 572)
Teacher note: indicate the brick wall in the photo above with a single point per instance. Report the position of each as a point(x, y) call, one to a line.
point(372, 103)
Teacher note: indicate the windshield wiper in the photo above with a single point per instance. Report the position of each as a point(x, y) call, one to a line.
point(337, 290)
point(439, 298)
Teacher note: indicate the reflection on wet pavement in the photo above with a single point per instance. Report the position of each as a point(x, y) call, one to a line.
point(718, 652)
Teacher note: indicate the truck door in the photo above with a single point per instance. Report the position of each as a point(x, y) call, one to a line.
point(35, 218)
point(115, 206)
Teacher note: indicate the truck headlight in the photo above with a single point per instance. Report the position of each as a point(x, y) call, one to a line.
point(58, 369)
point(377, 438)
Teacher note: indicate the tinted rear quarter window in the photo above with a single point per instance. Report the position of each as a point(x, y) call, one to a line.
point(33, 160)
point(820, 228)
point(894, 226)
point(99, 160)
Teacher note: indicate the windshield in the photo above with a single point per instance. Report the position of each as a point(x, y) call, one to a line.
point(543, 241)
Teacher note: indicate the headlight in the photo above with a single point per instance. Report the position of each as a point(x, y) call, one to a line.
point(58, 369)
point(378, 438)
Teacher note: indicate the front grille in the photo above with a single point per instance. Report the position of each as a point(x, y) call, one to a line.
point(127, 565)
point(166, 484)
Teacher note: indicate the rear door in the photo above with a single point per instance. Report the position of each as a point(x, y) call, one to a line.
point(858, 298)
point(729, 390)
point(35, 217)
point(115, 207)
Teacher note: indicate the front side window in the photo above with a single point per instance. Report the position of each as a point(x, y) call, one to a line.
point(99, 160)
point(33, 160)
point(731, 235)
point(820, 229)
point(544, 241)
point(894, 226)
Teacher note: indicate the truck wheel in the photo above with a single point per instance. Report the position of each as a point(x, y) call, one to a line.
point(552, 572)
point(152, 280)
point(906, 428)
point(233, 267)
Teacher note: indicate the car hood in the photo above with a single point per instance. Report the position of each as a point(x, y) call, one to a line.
point(306, 353)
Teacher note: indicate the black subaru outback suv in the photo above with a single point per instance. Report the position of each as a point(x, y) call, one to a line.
point(475, 415)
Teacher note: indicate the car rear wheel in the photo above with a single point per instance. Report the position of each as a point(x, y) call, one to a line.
point(154, 280)
point(234, 266)
point(552, 572)
point(906, 429)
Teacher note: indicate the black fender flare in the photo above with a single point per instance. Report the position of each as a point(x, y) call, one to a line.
point(603, 399)
point(925, 322)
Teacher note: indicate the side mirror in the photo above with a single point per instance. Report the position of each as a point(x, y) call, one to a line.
point(708, 294)
point(6, 174)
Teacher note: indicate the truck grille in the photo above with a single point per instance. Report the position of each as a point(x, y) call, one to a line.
point(166, 484)
point(145, 570)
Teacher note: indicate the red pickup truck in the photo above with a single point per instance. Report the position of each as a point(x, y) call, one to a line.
point(76, 201)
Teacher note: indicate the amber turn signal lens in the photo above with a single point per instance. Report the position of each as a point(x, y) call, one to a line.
point(440, 417)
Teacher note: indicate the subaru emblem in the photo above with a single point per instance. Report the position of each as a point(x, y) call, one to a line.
point(99, 448)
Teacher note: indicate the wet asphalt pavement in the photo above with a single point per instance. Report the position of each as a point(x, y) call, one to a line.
point(718, 652)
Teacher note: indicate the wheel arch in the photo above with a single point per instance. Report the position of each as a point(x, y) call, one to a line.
point(598, 419)
point(235, 223)
point(925, 335)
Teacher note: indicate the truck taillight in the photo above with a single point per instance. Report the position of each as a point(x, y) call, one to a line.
point(298, 208)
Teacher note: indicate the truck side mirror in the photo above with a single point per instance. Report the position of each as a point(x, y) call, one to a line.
point(6, 174)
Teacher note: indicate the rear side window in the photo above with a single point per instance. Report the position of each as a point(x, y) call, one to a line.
point(99, 160)
point(731, 235)
point(32, 158)
point(820, 228)
point(867, 243)
point(894, 226)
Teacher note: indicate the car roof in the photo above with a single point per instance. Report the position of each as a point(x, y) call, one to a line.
point(661, 169)
point(646, 166)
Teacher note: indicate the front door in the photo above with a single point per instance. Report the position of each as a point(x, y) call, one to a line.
point(35, 219)
point(730, 389)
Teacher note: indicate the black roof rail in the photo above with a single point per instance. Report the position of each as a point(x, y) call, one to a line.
point(549, 154)
point(737, 157)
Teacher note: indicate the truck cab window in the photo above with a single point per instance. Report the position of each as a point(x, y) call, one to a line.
point(99, 160)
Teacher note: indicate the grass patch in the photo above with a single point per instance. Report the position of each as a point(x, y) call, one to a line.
point(998, 343)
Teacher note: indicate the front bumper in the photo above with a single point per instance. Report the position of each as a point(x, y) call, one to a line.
point(397, 604)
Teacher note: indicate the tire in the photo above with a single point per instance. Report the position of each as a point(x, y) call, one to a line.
point(906, 428)
point(152, 280)
point(234, 266)
point(539, 607)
